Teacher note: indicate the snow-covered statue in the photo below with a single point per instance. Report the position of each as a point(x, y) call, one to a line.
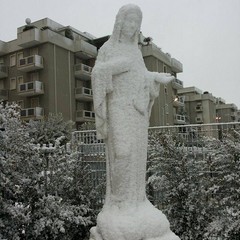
point(124, 92)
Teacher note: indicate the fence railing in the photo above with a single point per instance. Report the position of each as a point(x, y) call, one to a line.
point(191, 136)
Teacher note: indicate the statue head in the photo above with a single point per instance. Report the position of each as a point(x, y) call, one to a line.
point(127, 24)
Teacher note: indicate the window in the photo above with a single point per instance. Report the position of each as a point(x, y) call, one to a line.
point(164, 68)
point(13, 83)
point(79, 106)
point(1, 84)
point(79, 84)
point(34, 102)
point(35, 76)
point(165, 90)
point(19, 57)
point(21, 104)
point(13, 60)
point(166, 109)
point(20, 79)
point(33, 51)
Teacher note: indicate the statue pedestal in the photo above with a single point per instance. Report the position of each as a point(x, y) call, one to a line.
point(129, 222)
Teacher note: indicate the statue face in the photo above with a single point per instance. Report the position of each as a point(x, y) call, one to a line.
point(130, 25)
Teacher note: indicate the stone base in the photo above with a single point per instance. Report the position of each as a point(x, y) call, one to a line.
point(144, 222)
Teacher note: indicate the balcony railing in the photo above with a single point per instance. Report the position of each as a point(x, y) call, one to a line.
point(3, 48)
point(30, 88)
point(3, 95)
point(176, 65)
point(31, 63)
point(85, 50)
point(3, 71)
point(177, 84)
point(85, 116)
point(83, 71)
point(32, 113)
point(179, 101)
point(153, 50)
point(29, 38)
point(179, 119)
point(83, 93)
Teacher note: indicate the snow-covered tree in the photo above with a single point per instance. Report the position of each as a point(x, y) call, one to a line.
point(53, 127)
point(199, 193)
point(45, 190)
point(224, 192)
point(176, 180)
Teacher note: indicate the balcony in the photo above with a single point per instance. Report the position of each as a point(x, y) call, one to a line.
point(3, 95)
point(82, 71)
point(31, 63)
point(84, 94)
point(155, 51)
point(32, 113)
point(29, 38)
point(179, 119)
point(85, 50)
point(3, 71)
point(177, 66)
point(3, 48)
point(30, 88)
point(85, 116)
point(177, 84)
point(179, 101)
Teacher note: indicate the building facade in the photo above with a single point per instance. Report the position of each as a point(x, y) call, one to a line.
point(200, 107)
point(47, 69)
point(168, 107)
point(226, 112)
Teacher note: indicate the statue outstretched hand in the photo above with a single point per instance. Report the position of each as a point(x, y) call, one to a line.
point(164, 78)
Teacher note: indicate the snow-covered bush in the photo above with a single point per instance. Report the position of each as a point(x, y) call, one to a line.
point(45, 191)
point(46, 131)
point(172, 184)
point(224, 164)
point(199, 194)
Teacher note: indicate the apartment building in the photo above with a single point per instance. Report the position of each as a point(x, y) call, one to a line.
point(47, 69)
point(168, 107)
point(200, 106)
point(238, 116)
point(226, 112)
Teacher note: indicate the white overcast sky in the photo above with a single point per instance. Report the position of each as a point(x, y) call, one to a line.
point(202, 34)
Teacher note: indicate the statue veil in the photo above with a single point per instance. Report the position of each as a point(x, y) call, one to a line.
point(107, 52)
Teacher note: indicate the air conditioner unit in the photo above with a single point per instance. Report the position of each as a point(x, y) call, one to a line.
point(199, 108)
point(199, 119)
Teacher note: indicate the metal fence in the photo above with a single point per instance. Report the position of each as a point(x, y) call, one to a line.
point(191, 137)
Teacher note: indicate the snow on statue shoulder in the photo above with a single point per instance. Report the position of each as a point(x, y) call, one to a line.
point(124, 92)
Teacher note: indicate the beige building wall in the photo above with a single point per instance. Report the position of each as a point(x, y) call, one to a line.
point(167, 108)
point(226, 113)
point(64, 78)
point(57, 77)
point(200, 107)
point(65, 75)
